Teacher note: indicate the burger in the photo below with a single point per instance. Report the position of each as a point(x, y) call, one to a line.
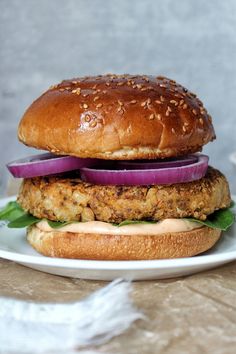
point(123, 178)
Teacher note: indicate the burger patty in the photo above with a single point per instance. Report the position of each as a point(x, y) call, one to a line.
point(67, 198)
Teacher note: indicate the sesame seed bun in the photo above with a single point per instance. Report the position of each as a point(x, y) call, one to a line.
point(117, 117)
point(122, 247)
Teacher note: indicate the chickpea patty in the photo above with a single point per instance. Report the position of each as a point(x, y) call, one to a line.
point(67, 198)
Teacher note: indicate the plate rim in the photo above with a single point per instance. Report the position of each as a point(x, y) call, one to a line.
point(118, 265)
point(87, 264)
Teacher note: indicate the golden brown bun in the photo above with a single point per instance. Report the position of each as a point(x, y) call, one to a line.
point(117, 117)
point(125, 247)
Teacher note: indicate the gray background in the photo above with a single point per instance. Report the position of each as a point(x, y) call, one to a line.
point(193, 42)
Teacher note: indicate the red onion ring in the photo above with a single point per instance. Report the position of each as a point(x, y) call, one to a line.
point(46, 164)
point(154, 164)
point(170, 175)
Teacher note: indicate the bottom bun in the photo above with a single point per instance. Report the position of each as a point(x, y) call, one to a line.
point(122, 247)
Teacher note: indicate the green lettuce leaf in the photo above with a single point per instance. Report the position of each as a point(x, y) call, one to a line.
point(24, 220)
point(132, 222)
point(221, 219)
point(11, 211)
point(17, 218)
point(57, 224)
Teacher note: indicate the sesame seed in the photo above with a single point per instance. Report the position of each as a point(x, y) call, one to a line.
point(178, 95)
point(120, 109)
point(120, 83)
point(159, 117)
point(61, 89)
point(93, 124)
point(120, 103)
point(162, 99)
point(74, 82)
point(133, 101)
point(96, 98)
point(152, 116)
point(194, 112)
point(108, 84)
point(77, 91)
point(181, 102)
point(167, 113)
point(99, 105)
point(169, 109)
point(184, 129)
point(144, 89)
point(53, 87)
point(201, 121)
point(139, 86)
point(104, 91)
point(185, 106)
point(85, 105)
point(202, 109)
point(85, 94)
point(87, 118)
point(94, 87)
point(158, 102)
point(174, 102)
point(173, 131)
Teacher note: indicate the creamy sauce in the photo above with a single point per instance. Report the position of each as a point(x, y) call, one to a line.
point(100, 227)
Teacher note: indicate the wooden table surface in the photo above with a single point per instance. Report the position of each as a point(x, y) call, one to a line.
point(194, 314)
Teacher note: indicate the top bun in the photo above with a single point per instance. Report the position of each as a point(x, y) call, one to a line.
point(117, 117)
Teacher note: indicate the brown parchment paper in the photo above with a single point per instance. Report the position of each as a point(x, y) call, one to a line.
point(194, 314)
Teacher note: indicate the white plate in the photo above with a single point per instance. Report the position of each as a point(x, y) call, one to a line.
point(13, 246)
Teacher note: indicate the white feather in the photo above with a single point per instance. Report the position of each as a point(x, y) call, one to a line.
point(27, 327)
